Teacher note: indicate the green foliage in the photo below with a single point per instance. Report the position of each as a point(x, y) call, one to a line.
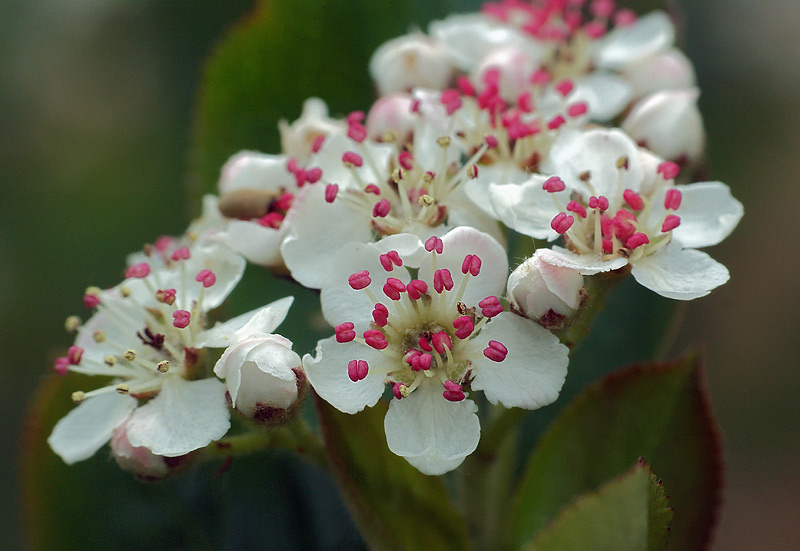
point(659, 412)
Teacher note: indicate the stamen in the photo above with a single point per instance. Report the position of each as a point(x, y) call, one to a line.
point(400, 390)
point(464, 326)
point(357, 370)
point(393, 287)
point(672, 200)
point(490, 306)
point(416, 288)
point(670, 223)
point(668, 170)
point(637, 240)
point(359, 280)
point(598, 203)
point(381, 208)
point(376, 339)
point(471, 264)
point(312, 177)
point(633, 199)
point(163, 366)
point(441, 342)
point(577, 109)
point(180, 254)
point(561, 223)
point(166, 296)
point(91, 298)
point(78, 396)
point(556, 122)
point(351, 158)
point(390, 260)
point(206, 277)
point(357, 132)
point(181, 319)
point(564, 87)
point(72, 323)
point(491, 141)
point(442, 279)
point(139, 271)
point(344, 332)
point(380, 314)
point(74, 355)
point(434, 243)
point(330, 192)
point(577, 208)
point(495, 351)
point(453, 391)
point(405, 159)
point(554, 184)
point(62, 365)
point(372, 188)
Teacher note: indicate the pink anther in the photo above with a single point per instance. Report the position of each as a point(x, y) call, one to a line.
point(416, 288)
point(442, 279)
point(355, 116)
point(602, 8)
point(206, 277)
point(441, 342)
point(313, 175)
point(181, 318)
point(62, 365)
point(300, 177)
point(556, 122)
point(491, 141)
point(633, 199)
point(525, 102)
point(577, 109)
point(495, 351)
point(471, 264)
point(425, 344)
point(564, 87)
point(554, 184)
point(373, 189)
point(90, 300)
point(271, 220)
point(490, 306)
point(668, 170)
point(453, 391)
point(406, 160)
point(463, 326)
point(163, 243)
point(540, 77)
point(577, 208)
point(449, 95)
point(562, 222)
point(291, 165)
point(181, 253)
point(623, 229)
point(453, 106)
point(434, 244)
point(357, 132)
point(608, 246)
point(670, 223)
point(284, 202)
point(381, 208)
point(353, 159)
point(465, 85)
point(594, 29)
point(344, 332)
point(376, 339)
point(166, 296)
point(672, 200)
point(397, 390)
point(331, 190)
point(380, 314)
point(316, 145)
point(393, 287)
point(598, 203)
point(74, 355)
point(624, 18)
point(390, 260)
point(359, 280)
point(492, 76)
point(357, 370)
point(140, 270)
point(637, 240)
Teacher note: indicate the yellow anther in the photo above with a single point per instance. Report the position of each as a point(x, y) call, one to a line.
point(78, 396)
point(163, 366)
point(129, 355)
point(110, 360)
point(72, 323)
point(426, 200)
point(99, 335)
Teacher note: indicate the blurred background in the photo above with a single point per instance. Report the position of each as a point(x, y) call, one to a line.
point(96, 109)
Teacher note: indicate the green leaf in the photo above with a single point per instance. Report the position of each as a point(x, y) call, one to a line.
point(394, 505)
point(628, 513)
point(660, 412)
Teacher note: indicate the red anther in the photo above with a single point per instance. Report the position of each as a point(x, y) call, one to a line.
point(181, 318)
point(556, 122)
point(415, 106)
point(206, 277)
point(525, 102)
point(291, 165)
point(138, 270)
point(577, 109)
point(390, 260)
point(74, 355)
point(577, 208)
point(598, 203)
point(381, 208)
point(668, 170)
point(163, 243)
point(357, 370)
point(491, 141)
point(416, 288)
point(421, 362)
point(490, 306)
point(284, 202)
point(406, 160)
point(373, 189)
point(608, 246)
point(465, 85)
point(492, 76)
point(670, 223)
point(91, 300)
point(672, 200)
point(562, 222)
point(434, 244)
point(355, 116)
point(471, 264)
point(344, 332)
point(167, 296)
point(554, 184)
point(442, 279)
point(453, 106)
point(453, 392)
point(463, 326)
point(564, 87)
point(633, 199)
point(594, 29)
point(359, 280)
point(351, 158)
point(625, 215)
point(357, 132)
point(624, 18)
point(606, 226)
point(331, 190)
point(540, 77)
point(271, 220)
point(449, 95)
point(622, 228)
point(495, 351)
point(380, 314)
point(472, 171)
point(313, 175)
point(393, 287)
point(441, 342)
point(300, 177)
point(62, 365)
point(180, 254)
point(316, 145)
point(602, 8)
point(376, 339)
point(425, 344)
point(637, 240)
point(410, 355)
point(397, 390)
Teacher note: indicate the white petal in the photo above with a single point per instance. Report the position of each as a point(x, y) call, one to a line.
point(532, 374)
point(708, 213)
point(85, 429)
point(526, 208)
point(682, 274)
point(258, 244)
point(500, 173)
point(185, 416)
point(669, 70)
point(261, 320)
point(254, 170)
point(649, 35)
point(327, 373)
point(432, 433)
point(409, 61)
point(463, 212)
point(586, 264)
point(605, 94)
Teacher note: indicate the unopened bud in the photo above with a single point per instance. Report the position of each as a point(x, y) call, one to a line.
point(141, 462)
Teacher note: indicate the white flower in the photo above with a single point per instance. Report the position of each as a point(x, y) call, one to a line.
point(410, 61)
point(391, 118)
point(302, 138)
point(432, 338)
point(614, 205)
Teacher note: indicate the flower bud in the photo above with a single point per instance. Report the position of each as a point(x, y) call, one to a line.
point(391, 113)
point(669, 124)
point(545, 293)
point(668, 70)
point(141, 462)
point(408, 62)
point(301, 139)
point(264, 378)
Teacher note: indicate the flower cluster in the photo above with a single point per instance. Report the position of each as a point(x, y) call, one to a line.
point(573, 122)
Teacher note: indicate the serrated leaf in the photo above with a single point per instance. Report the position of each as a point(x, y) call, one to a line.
point(625, 514)
point(659, 412)
point(394, 505)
